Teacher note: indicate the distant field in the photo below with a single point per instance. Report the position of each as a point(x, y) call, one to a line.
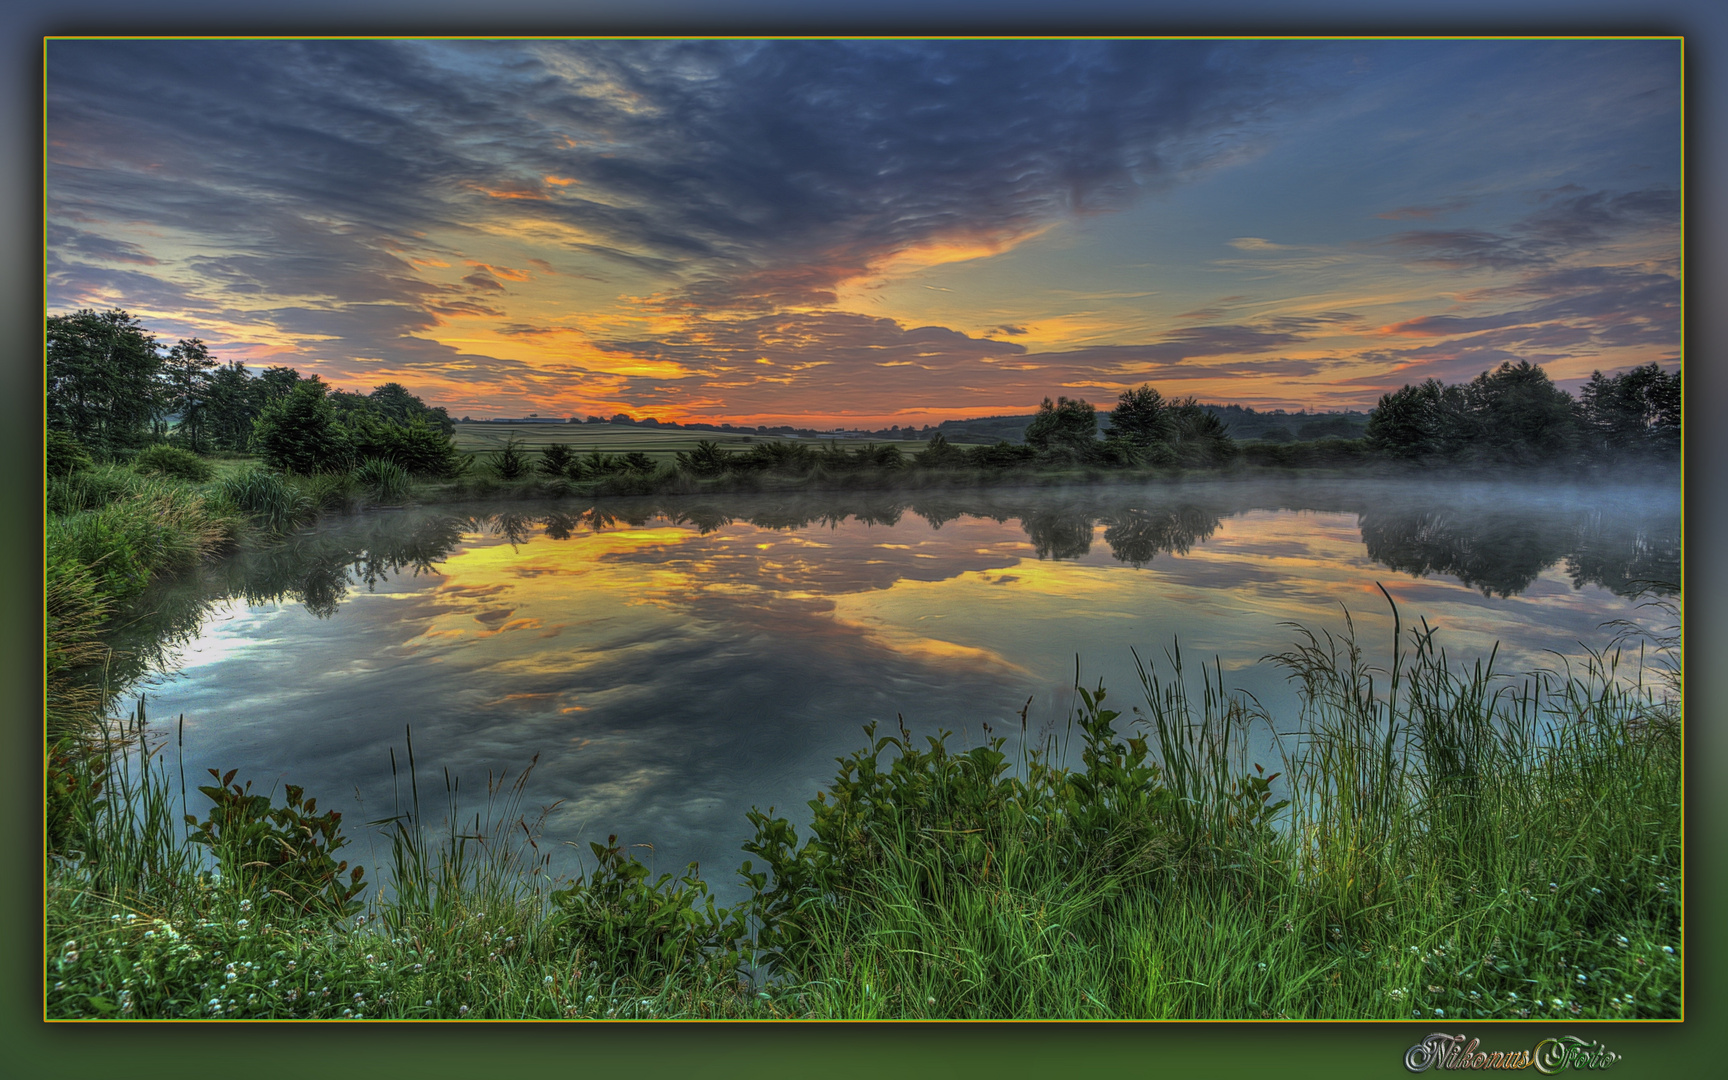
point(481, 438)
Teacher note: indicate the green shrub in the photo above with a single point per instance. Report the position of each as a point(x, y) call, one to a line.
point(648, 931)
point(62, 455)
point(300, 433)
point(383, 479)
point(556, 459)
point(637, 462)
point(708, 459)
point(511, 461)
point(167, 460)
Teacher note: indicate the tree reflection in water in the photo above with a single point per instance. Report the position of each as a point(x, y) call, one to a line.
point(1495, 541)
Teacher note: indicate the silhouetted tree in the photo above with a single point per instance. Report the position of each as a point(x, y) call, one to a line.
point(1633, 413)
point(1064, 427)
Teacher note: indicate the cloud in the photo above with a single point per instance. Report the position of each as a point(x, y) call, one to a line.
point(752, 175)
point(1568, 223)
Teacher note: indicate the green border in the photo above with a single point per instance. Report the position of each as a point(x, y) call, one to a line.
point(34, 1049)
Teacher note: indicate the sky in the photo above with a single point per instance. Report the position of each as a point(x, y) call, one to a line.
point(869, 233)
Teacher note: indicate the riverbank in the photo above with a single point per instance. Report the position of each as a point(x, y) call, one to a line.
point(1446, 845)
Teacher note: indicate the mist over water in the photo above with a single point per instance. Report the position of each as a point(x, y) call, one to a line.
point(673, 662)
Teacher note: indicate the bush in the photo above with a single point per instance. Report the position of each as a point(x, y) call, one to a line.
point(649, 931)
point(417, 445)
point(511, 462)
point(167, 460)
point(62, 455)
point(708, 459)
point(556, 460)
point(939, 454)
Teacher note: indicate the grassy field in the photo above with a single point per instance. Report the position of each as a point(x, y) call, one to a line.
point(658, 443)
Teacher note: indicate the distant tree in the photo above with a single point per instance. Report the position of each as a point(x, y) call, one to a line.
point(102, 377)
point(1201, 438)
point(622, 418)
point(1633, 413)
point(939, 453)
point(1064, 427)
point(1141, 418)
point(300, 432)
point(278, 382)
point(1430, 422)
point(394, 402)
point(1277, 433)
point(1520, 417)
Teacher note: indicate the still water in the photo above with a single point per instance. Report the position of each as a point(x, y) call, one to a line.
point(671, 663)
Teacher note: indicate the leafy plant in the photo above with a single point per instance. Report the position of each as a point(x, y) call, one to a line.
point(707, 459)
point(646, 929)
point(284, 854)
point(556, 460)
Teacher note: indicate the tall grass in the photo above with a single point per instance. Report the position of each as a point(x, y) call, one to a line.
point(384, 480)
point(269, 499)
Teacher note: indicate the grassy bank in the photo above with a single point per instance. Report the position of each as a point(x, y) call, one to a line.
point(1442, 842)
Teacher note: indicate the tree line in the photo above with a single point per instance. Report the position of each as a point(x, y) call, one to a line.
point(114, 388)
point(1516, 416)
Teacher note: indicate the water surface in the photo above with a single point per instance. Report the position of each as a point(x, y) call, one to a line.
point(670, 663)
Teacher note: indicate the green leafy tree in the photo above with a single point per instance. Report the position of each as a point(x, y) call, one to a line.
point(277, 383)
point(1200, 437)
point(300, 432)
point(186, 370)
point(393, 401)
point(102, 376)
point(233, 400)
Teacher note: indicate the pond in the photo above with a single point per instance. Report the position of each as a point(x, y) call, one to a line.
point(667, 664)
